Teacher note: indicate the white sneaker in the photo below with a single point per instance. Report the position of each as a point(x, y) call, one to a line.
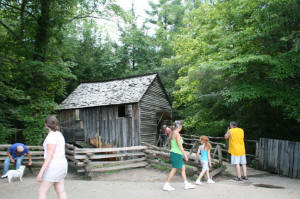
point(198, 182)
point(210, 181)
point(189, 186)
point(168, 187)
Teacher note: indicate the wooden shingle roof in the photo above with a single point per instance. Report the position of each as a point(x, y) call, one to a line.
point(112, 92)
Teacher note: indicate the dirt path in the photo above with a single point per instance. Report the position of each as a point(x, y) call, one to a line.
point(147, 183)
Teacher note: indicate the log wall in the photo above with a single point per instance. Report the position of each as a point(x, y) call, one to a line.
point(104, 122)
point(154, 101)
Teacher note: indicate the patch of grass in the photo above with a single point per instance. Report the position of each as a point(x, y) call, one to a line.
point(160, 167)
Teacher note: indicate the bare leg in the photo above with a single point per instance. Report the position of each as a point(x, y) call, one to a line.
point(201, 175)
point(238, 170)
point(244, 169)
point(60, 189)
point(171, 174)
point(207, 174)
point(43, 190)
point(183, 174)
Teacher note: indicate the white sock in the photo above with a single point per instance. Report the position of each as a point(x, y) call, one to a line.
point(186, 182)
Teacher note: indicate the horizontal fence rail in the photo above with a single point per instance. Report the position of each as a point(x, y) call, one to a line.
point(90, 160)
point(161, 156)
point(219, 146)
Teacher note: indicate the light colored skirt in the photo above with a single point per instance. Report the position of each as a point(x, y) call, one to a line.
point(55, 174)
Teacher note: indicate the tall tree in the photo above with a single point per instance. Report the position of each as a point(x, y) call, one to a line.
point(241, 63)
point(34, 74)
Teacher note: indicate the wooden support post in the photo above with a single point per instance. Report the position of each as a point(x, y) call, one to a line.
point(191, 151)
point(215, 151)
point(220, 154)
point(87, 162)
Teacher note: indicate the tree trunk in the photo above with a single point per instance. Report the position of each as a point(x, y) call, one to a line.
point(43, 35)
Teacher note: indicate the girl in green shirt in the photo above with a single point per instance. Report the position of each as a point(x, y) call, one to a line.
point(176, 155)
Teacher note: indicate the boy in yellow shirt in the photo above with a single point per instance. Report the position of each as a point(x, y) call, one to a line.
point(237, 149)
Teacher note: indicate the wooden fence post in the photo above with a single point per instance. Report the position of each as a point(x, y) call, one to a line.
point(256, 155)
point(191, 151)
point(88, 165)
point(219, 154)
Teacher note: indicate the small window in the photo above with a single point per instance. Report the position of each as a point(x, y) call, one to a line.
point(122, 110)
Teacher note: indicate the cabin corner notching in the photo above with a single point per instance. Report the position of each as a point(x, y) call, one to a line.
point(122, 112)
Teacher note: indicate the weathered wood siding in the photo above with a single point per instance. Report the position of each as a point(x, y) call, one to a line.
point(104, 121)
point(153, 101)
point(280, 156)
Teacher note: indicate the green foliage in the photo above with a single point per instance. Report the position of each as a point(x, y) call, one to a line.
point(35, 70)
point(231, 60)
point(241, 63)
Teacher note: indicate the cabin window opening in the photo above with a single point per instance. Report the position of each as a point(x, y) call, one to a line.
point(122, 110)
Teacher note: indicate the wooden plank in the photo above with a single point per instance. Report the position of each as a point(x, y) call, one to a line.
point(217, 171)
point(101, 163)
point(114, 132)
point(110, 127)
point(219, 154)
point(155, 147)
point(265, 154)
point(130, 131)
point(296, 155)
point(126, 166)
point(260, 154)
point(275, 154)
point(118, 132)
point(95, 157)
point(101, 150)
point(285, 165)
point(291, 157)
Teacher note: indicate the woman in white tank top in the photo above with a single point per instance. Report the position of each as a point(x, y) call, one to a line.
point(55, 166)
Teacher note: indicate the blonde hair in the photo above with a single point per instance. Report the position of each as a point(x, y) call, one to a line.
point(205, 141)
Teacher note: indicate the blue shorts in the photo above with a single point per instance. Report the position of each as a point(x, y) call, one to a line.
point(238, 159)
point(205, 166)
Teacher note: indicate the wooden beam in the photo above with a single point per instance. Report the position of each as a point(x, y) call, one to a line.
point(126, 166)
point(101, 150)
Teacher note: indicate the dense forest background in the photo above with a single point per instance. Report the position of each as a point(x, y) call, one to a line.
point(220, 60)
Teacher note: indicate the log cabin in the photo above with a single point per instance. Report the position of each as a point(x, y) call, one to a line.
point(122, 112)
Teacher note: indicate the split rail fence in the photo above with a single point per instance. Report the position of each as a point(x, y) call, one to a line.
point(90, 160)
point(161, 156)
point(219, 147)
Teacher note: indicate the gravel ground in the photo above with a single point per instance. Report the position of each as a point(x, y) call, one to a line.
point(147, 183)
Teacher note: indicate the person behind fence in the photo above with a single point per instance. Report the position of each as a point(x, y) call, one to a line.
point(167, 132)
point(237, 150)
point(205, 159)
point(164, 133)
point(176, 154)
point(16, 154)
point(55, 166)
